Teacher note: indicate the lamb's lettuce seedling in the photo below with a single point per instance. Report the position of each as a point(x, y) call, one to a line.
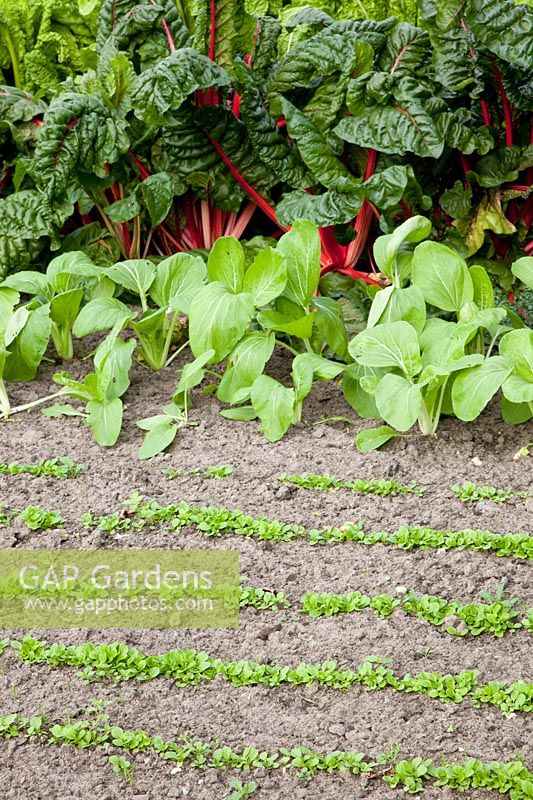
point(406, 361)
point(61, 291)
point(165, 291)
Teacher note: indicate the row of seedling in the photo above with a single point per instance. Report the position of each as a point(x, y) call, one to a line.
point(467, 492)
point(507, 778)
point(188, 667)
point(140, 514)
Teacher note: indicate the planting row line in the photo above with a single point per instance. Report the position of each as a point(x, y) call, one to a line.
point(119, 662)
point(497, 617)
point(458, 619)
point(510, 778)
point(140, 514)
point(469, 492)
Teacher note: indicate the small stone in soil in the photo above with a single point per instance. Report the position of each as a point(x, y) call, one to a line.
point(285, 491)
point(319, 432)
point(337, 729)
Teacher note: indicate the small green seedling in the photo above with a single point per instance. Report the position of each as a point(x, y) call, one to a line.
point(41, 519)
point(523, 452)
point(499, 595)
point(378, 486)
point(222, 471)
point(123, 768)
point(50, 468)
point(470, 493)
point(241, 790)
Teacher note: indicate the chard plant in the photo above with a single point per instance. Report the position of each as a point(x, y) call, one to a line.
point(406, 360)
point(220, 115)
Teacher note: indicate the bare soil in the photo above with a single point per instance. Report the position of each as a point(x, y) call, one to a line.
point(265, 718)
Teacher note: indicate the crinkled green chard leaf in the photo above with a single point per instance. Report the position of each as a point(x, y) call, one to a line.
point(315, 150)
point(187, 152)
point(157, 192)
point(222, 29)
point(267, 141)
point(406, 52)
point(504, 27)
point(116, 76)
point(142, 26)
point(26, 222)
point(166, 86)
point(80, 133)
point(392, 115)
point(325, 54)
point(326, 208)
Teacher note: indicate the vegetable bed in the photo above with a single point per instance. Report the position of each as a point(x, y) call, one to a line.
point(430, 689)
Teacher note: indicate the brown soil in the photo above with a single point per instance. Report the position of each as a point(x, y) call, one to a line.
point(269, 718)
